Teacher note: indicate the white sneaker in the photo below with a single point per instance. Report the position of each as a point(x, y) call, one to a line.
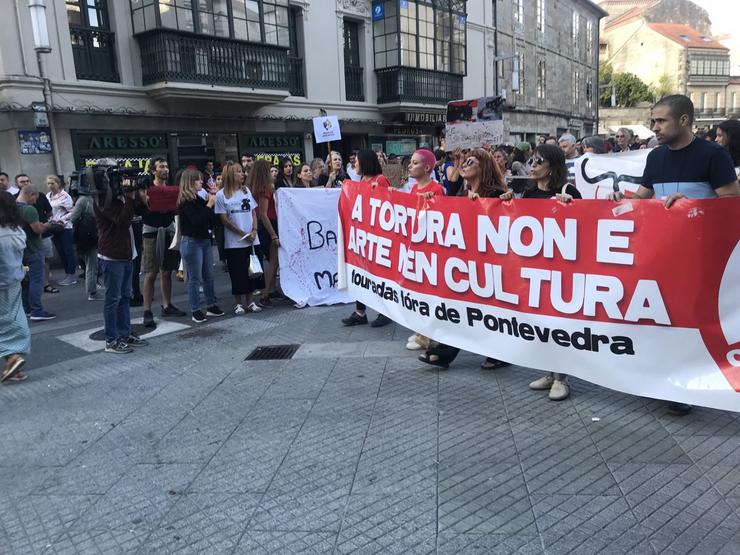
point(559, 390)
point(254, 307)
point(239, 309)
point(300, 304)
point(543, 383)
point(411, 338)
point(413, 346)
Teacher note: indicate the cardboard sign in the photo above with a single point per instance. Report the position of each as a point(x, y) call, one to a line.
point(474, 123)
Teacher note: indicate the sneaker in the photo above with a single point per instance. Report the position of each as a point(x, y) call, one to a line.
point(41, 316)
point(253, 307)
point(413, 346)
point(134, 341)
point(239, 309)
point(543, 383)
point(68, 280)
point(355, 320)
point(300, 304)
point(94, 297)
point(149, 319)
point(559, 390)
point(117, 347)
point(198, 317)
point(136, 301)
point(172, 310)
point(381, 321)
point(214, 311)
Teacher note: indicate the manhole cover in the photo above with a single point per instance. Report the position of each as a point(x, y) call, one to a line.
point(273, 352)
point(136, 329)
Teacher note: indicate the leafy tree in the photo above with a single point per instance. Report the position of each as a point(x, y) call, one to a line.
point(630, 90)
point(663, 88)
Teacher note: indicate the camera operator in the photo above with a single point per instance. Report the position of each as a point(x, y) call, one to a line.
point(159, 230)
point(114, 212)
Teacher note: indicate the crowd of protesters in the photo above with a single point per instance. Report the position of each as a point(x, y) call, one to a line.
point(174, 225)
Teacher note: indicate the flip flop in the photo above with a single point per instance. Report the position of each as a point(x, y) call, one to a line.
point(493, 364)
point(49, 288)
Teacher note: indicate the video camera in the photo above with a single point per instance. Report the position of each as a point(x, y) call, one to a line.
point(98, 179)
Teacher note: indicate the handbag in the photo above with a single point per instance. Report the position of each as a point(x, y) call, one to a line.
point(255, 266)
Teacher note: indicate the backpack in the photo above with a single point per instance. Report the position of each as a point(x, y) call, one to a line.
point(86, 231)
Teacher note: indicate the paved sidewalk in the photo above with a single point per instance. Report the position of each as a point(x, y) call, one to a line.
point(351, 446)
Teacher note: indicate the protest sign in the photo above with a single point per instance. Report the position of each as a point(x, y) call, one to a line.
point(596, 175)
point(630, 296)
point(474, 123)
point(307, 220)
point(326, 129)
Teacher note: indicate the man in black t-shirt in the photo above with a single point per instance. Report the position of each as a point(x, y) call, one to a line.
point(683, 166)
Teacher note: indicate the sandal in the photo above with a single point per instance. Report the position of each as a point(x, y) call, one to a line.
point(493, 364)
point(49, 288)
point(19, 377)
point(13, 368)
point(428, 356)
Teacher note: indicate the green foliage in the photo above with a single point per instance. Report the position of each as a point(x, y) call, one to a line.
point(629, 88)
point(663, 88)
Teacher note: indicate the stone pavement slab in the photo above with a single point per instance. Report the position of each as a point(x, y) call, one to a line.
point(351, 446)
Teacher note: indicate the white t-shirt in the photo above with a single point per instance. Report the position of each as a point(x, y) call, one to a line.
point(239, 210)
point(352, 174)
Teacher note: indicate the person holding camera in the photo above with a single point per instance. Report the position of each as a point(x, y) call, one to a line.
point(159, 230)
point(85, 231)
point(114, 212)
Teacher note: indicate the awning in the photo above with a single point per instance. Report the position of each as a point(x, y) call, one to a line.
point(640, 131)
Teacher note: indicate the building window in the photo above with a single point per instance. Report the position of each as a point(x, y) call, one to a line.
point(576, 32)
point(249, 20)
point(718, 101)
point(93, 44)
point(709, 65)
point(541, 79)
point(421, 34)
point(703, 101)
point(541, 16)
point(589, 92)
point(91, 14)
point(734, 101)
point(518, 11)
point(589, 41)
point(576, 88)
point(520, 75)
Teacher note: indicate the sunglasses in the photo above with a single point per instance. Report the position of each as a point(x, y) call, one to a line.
point(469, 162)
point(536, 161)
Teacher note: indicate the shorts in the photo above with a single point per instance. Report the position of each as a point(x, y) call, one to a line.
point(265, 239)
point(170, 260)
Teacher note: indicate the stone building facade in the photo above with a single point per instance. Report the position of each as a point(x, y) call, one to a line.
point(131, 78)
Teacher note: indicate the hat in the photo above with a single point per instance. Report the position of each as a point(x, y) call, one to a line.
point(524, 147)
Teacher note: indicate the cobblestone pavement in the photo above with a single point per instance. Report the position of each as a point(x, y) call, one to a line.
point(350, 446)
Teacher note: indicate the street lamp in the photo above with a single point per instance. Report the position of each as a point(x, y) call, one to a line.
point(38, 21)
point(37, 9)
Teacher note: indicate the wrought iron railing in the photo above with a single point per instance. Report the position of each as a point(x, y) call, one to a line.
point(404, 84)
point(94, 52)
point(354, 83)
point(168, 55)
point(295, 79)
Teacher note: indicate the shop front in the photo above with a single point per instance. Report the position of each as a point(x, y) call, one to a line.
point(408, 131)
point(274, 146)
point(127, 149)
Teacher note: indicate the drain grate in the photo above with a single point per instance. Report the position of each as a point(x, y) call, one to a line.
point(273, 352)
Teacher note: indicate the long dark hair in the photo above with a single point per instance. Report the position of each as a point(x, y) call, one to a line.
point(731, 128)
point(10, 216)
point(558, 170)
point(369, 163)
point(491, 178)
point(282, 179)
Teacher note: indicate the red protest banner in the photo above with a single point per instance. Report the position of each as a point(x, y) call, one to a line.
point(630, 296)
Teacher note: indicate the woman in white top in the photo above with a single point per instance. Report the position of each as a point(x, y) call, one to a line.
point(61, 207)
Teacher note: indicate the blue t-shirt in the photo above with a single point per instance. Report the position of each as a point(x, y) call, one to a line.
point(695, 170)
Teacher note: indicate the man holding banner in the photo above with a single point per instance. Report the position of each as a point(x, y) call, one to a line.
point(683, 166)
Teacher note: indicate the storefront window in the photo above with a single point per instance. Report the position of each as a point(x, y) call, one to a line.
point(425, 34)
point(249, 20)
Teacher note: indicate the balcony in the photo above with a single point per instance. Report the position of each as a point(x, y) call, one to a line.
point(94, 52)
point(295, 78)
point(406, 85)
point(175, 64)
point(354, 83)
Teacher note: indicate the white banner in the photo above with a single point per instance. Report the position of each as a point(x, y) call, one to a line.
point(596, 175)
point(326, 129)
point(307, 224)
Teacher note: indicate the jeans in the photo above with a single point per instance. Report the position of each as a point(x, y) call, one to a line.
point(32, 289)
point(117, 278)
point(90, 258)
point(64, 243)
point(198, 257)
